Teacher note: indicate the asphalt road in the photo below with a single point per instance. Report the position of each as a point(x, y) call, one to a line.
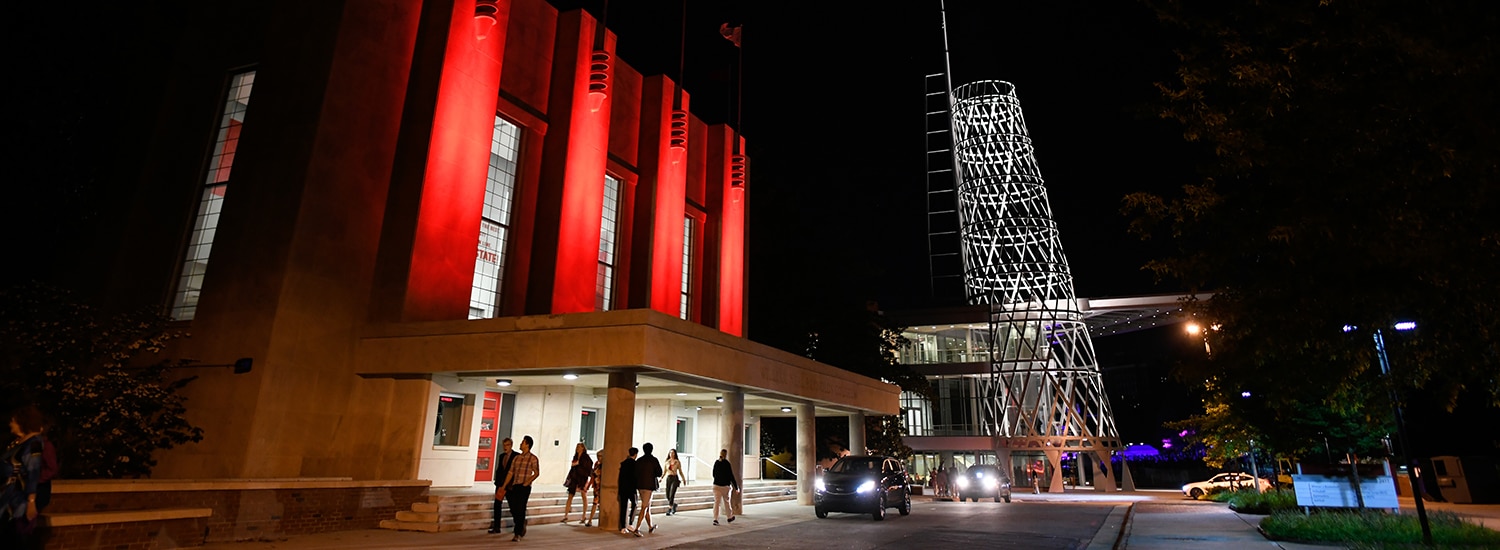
point(1036, 525)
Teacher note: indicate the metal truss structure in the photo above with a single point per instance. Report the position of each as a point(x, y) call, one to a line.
point(1045, 393)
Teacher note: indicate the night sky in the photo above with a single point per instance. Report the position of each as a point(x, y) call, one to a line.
point(833, 113)
point(832, 110)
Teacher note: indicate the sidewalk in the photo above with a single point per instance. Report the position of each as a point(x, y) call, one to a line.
point(1143, 520)
point(1195, 524)
point(682, 528)
point(1181, 523)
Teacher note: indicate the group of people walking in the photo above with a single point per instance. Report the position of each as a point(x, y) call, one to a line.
point(641, 475)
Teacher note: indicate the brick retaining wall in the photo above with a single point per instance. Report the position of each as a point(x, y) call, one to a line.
point(242, 509)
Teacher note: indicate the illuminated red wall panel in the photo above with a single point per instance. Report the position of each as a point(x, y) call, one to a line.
point(572, 185)
point(446, 238)
point(663, 150)
point(727, 182)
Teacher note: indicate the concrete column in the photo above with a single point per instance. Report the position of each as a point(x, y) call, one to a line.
point(1104, 478)
point(857, 433)
point(1054, 459)
point(733, 436)
point(807, 452)
point(619, 425)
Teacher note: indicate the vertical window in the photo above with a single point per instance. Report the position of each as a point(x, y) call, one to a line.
point(682, 435)
point(216, 182)
point(605, 282)
point(494, 223)
point(687, 267)
point(587, 427)
point(452, 419)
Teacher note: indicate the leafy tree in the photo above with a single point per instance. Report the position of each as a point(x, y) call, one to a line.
point(112, 403)
point(1351, 181)
point(863, 341)
point(883, 435)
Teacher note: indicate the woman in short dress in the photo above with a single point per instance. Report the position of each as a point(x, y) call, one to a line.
point(578, 480)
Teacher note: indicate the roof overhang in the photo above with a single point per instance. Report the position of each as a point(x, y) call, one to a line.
point(1104, 316)
point(666, 349)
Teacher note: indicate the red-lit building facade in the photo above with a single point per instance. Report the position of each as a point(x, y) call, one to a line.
point(433, 224)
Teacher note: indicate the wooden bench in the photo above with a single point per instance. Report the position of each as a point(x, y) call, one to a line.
point(71, 519)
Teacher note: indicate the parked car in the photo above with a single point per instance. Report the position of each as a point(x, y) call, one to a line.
point(982, 481)
point(1225, 481)
point(863, 485)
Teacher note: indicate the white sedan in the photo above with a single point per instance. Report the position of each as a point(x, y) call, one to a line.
point(1225, 481)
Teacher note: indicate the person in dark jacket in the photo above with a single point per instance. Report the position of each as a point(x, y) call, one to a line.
point(626, 481)
point(577, 481)
point(723, 480)
point(647, 479)
point(502, 467)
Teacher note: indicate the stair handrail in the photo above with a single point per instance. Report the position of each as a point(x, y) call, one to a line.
point(778, 465)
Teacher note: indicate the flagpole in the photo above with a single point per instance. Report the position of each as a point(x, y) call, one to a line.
point(681, 59)
point(739, 87)
point(947, 65)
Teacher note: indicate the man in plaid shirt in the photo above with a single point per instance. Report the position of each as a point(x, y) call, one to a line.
point(523, 470)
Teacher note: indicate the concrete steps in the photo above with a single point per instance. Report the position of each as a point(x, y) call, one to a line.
point(474, 511)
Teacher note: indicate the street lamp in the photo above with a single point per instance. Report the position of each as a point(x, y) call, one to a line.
point(1411, 463)
point(1196, 330)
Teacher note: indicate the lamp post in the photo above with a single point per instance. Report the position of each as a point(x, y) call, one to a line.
point(1254, 469)
point(1411, 463)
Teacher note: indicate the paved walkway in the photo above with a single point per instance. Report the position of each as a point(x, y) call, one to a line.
point(1194, 524)
point(1142, 520)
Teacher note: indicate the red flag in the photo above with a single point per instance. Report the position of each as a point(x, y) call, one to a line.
point(731, 34)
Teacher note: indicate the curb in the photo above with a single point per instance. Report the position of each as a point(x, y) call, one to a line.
point(1120, 516)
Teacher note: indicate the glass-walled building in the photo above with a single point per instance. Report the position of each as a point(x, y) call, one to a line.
point(953, 347)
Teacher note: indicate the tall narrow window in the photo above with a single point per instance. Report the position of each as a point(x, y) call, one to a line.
point(494, 223)
point(588, 427)
point(216, 182)
point(605, 282)
point(687, 267)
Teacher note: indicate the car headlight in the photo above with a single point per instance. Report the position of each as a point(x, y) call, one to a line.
point(963, 483)
point(865, 487)
point(991, 482)
point(818, 486)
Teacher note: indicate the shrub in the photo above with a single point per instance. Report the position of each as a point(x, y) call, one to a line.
point(1249, 501)
point(1376, 529)
point(114, 400)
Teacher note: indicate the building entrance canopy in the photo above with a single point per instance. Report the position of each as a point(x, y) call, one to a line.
point(675, 355)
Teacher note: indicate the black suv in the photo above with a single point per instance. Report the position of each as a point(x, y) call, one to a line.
point(863, 485)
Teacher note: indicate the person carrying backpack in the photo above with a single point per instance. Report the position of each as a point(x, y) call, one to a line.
point(21, 464)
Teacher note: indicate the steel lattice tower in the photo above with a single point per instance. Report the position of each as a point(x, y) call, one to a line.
point(1044, 392)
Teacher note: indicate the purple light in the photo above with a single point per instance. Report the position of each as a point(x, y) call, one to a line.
point(1406, 325)
point(1348, 328)
point(1244, 394)
point(1183, 433)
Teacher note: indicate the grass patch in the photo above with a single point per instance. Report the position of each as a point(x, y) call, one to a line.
point(1249, 501)
point(1377, 529)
